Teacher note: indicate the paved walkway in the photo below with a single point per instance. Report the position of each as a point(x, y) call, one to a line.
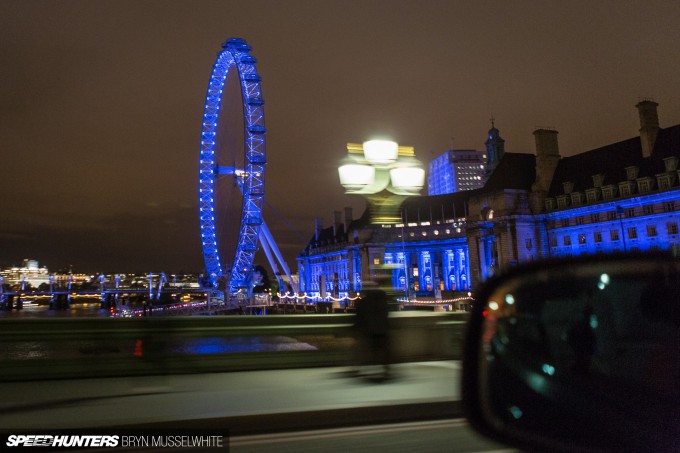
point(244, 402)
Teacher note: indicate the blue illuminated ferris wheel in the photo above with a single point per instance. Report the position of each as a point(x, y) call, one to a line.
point(248, 176)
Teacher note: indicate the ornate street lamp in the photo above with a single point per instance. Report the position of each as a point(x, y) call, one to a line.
point(385, 174)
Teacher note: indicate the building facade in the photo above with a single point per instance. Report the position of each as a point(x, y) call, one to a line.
point(621, 197)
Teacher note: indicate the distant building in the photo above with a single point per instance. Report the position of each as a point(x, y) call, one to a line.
point(456, 170)
point(29, 273)
point(621, 197)
point(465, 169)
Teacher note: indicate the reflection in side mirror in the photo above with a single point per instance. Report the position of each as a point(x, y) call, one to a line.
point(580, 355)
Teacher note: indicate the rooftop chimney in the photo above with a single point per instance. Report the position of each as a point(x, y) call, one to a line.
point(318, 226)
point(649, 125)
point(547, 157)
point(336, 223)
point(348, 218)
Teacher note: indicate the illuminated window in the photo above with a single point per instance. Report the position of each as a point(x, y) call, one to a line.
point(651, 230)
point(582, 238)
point(376, 260)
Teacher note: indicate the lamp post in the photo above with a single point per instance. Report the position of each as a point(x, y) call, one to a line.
point(619, 213)
point(385, 174)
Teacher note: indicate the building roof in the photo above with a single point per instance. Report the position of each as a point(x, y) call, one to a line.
point(612, 160)
point(514, 171)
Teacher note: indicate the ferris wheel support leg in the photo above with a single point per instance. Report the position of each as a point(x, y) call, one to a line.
point(267, 235)
point(268, 252)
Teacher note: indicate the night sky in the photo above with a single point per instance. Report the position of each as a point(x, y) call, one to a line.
point(101, 104)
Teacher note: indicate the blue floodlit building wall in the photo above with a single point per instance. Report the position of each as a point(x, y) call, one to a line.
point(426, 266)
point(642, 223)
point(441, 178)
point(426, 257)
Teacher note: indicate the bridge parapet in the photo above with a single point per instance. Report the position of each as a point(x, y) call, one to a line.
point(35, 349)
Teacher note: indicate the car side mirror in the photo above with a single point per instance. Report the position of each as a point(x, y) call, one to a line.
point(578, 355)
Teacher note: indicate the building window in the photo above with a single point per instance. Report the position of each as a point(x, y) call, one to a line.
point(651, 230)
point(632, 233)
point(669, 206)
point(672, 227)
point(671, 163)
point(630, 212)
point(594, 218)
point(649, 208)
point(614, 235)
point(598, 236)
point(591, 195)
point(582, 238)
point(611, 215)
point(598, 180)
point(579, 220)
point(626, 188)
point(567, 240)
point(553, 241)
point(565, 222)
point(643, 186)
point(665, 181)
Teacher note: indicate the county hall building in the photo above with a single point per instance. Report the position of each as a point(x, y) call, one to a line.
point(621, 197)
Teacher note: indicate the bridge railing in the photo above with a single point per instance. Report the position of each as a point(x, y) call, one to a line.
point(32, 349)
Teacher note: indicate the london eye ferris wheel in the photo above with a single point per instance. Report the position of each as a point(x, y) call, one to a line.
point(227, 166)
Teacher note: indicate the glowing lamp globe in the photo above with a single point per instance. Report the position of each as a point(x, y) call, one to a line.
point(407, 178)
point(356, 176)
point(380, 151)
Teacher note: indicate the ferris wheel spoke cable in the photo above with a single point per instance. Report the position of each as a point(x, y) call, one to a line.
point(283, 219)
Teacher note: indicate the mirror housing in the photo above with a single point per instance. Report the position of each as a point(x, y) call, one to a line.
point(578, 355)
